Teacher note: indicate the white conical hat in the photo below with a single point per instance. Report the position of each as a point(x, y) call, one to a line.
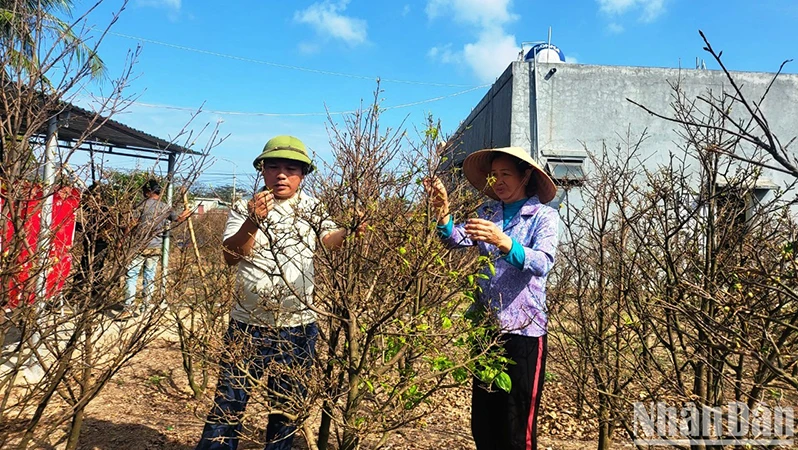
point(476, 168)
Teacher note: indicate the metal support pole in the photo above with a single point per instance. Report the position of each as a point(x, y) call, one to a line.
point(167, 234)
point(48, 180)
point(91, 161)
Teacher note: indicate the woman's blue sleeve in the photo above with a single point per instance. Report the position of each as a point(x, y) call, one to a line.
point(445, 231)
point(516, 255)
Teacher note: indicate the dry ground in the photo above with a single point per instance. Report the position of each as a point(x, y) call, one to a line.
point(148, 406)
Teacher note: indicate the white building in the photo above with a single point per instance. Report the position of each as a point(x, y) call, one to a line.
point(556, 111)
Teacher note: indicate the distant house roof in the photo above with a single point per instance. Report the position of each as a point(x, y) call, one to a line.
point(210, 200)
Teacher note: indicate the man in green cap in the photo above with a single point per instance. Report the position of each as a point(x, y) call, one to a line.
point(271, 239)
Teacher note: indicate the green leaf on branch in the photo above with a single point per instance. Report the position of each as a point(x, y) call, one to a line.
point(432, 133)
point(460, 375)
point(441, 363)
point(504, 382)
point(446, 323)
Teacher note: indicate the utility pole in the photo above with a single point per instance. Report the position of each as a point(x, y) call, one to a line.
point(235, 166)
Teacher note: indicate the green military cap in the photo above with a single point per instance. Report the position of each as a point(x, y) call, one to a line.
point(284, 147)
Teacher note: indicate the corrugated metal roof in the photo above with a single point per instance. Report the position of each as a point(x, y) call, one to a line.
point(114, 135)
point(89, 130)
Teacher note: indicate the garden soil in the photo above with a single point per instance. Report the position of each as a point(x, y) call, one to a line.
point(148, 405)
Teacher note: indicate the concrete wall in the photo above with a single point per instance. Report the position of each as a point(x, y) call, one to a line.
point(585, 107)
point(560, 110)
point(488, 125)
point(582, 105)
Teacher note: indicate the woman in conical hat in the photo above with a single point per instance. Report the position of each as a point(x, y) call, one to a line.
point(519, 232)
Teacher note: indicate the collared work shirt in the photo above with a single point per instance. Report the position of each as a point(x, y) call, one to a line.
point(277, 278)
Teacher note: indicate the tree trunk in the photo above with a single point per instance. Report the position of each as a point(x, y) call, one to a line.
point(323, 437)
point(351, 441)
point(324, 427)
point(85, 381)
point(75, 428)
point(188, 360)
point(605, 429)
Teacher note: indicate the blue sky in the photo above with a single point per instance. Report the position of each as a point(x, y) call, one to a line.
point(243, 60)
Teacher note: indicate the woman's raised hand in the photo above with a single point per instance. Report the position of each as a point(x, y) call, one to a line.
point(438, 196)
point(488, 232)
point(436, 192)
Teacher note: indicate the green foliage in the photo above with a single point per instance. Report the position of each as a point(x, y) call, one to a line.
point(401, 329)
point(502, 381)
point(155, 380)
point(412, 397)
point(127, 181)
point(788, 250)
point(25, 26)
point(442, 363)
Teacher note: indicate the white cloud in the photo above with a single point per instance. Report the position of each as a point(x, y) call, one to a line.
point(327, 19)
point(615, 7)
point(615, 28)
point(571, 60)
point(168, 4)
point(652, 9)
point(494, 48)
point(649, 9)
point(405, 10)
point(171, 7)
point(485, 13)
point(490, 55)
point(444, 54)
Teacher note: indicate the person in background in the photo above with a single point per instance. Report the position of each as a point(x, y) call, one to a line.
point(153, 220)
point(519, 233)
point(95, 227)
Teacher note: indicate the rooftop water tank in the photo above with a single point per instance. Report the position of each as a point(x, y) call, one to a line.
point(546, 53)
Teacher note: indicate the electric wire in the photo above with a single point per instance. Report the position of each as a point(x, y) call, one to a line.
point(284, 66)
point(307, 114)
